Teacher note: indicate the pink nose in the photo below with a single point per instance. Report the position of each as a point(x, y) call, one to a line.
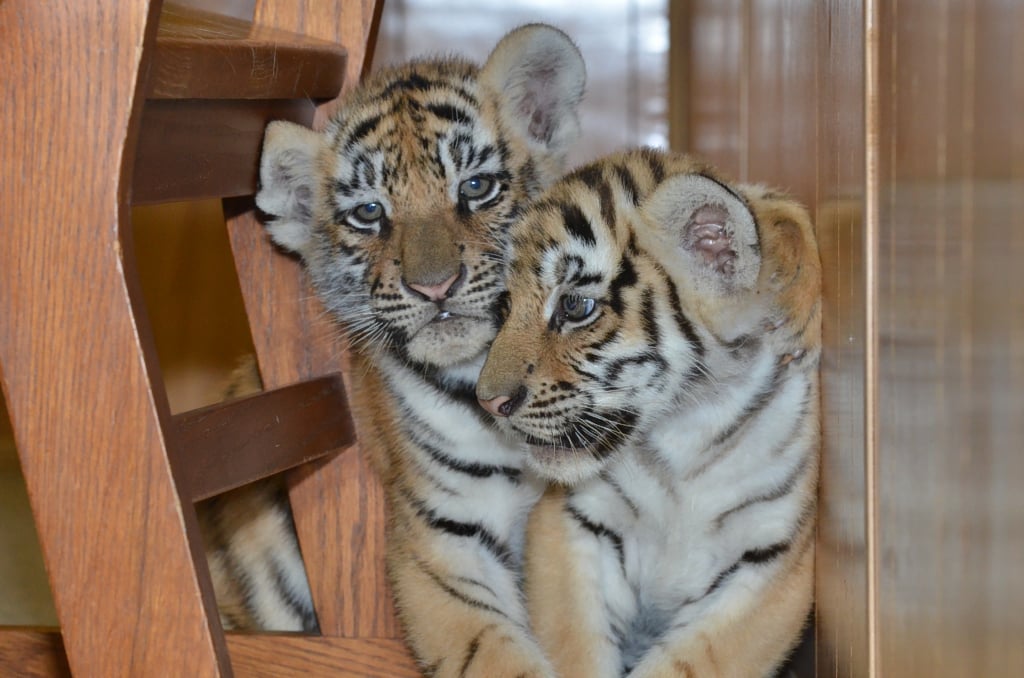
point(495, 405)
point(435, 292)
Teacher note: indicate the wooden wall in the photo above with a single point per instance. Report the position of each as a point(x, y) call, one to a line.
point(900, 124)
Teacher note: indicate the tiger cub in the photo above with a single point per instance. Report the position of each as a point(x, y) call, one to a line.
point(399, 210)
point(660, 361)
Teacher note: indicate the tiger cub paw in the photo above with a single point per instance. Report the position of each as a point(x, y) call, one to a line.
point(506, 656)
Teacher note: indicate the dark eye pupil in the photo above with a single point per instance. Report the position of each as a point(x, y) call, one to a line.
point(371, 211)
point(575, 307)
point(475, 187)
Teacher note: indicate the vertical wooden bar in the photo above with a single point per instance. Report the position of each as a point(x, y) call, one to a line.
point(841, 569)
point(338, 503)
point(72, 356)
point(950, 322)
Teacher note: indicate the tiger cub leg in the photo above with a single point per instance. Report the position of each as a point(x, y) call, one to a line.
point(750, 639)
point(564, 594)
point(463, 614)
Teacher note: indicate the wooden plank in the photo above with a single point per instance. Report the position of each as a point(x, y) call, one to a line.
point(230, 444)
point(205, 148)
point(260, 656)
point(37, 653)
point(202, 55)
point(32, 653)
point(77, 365)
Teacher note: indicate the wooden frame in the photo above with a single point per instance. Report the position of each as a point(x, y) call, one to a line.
point(98, 86)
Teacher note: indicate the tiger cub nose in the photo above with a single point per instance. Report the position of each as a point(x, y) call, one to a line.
point(441, 290)
point(504, 406)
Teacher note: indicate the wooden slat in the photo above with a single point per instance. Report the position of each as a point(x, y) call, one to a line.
point(31, 653)
point(230, 444)
point(200, 55)
point(34, 653)
point(263, 656)
point(204, 148)
point(78, 365)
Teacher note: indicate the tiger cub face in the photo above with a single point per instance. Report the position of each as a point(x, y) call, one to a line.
point(400, 206)
point(637, 285)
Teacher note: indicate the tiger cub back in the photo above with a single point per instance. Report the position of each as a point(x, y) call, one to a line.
point(660, 360)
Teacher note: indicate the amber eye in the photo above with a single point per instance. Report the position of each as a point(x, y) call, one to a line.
point(367, 214)
point(575, 308)
point(477, 187)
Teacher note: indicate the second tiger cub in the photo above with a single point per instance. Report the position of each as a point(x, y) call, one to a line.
point(660, 361)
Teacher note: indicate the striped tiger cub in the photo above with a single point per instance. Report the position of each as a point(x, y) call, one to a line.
point(660, 361)
point(399, 210)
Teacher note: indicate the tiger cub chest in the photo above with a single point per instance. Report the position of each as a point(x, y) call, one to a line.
point(687, 505)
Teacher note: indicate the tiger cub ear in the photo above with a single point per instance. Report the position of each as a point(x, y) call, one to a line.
point(538, 74)
point(288, 175)
point(713, 229)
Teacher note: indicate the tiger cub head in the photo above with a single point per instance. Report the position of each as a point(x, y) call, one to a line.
point(400, 206)
point(638, 285)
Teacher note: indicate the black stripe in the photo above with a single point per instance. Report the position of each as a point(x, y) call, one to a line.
point(456, 528)
point(577, 224)
point(362, 130)
point(604, 192)
point(291, 600)
point(657, 166)
point(781, 491)
point(455, 593)
point(756, 405)
point(682, 322)
point(599, 531)
point(474, 646)
point(625, 177)
point(615, 367)
point(449, 112)
point(626, 277)
point(607, 477)
point(649, 317)
point(473, 469)
point(760, 556)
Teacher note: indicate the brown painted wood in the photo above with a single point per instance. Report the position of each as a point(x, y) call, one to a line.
point(205, 148)
point(77, 363)
point(230, 444)
point(201, 55)
point(214, 84)
point(31, 653)
point(302, 657)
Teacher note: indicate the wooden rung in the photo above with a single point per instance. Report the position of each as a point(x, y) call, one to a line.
point(205, 148)
point(281, 656)
point(201, 55)
point(230, 444)
point(39, 653)
point(213, 85)
point(32, 653)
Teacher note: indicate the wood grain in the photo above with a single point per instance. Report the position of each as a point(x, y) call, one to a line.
point(231, 444)
point(77, 365)
point(201, 55)
point(31, 653)
point(205, 148)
